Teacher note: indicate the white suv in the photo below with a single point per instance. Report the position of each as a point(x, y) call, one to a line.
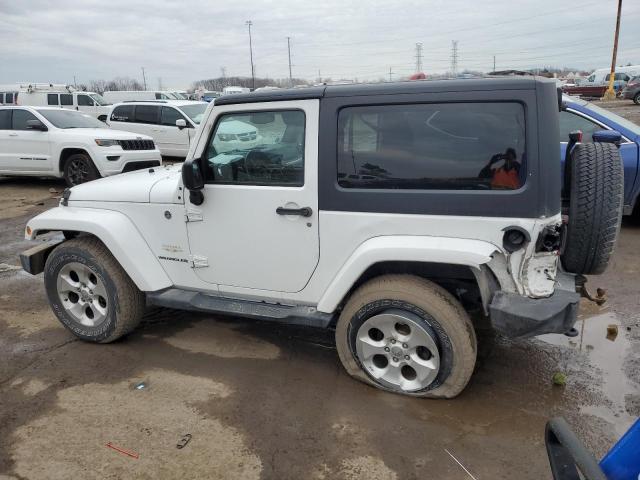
point(401, 215)
point(171, 123)
point(49, 141)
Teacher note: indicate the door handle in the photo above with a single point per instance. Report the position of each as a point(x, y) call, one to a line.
point(13, 134)
point(303, 212)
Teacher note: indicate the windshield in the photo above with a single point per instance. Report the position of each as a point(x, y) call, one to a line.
point(194, 112)
point(180, 96)
point(70, 119)
point(99, 99)
point(615, 118)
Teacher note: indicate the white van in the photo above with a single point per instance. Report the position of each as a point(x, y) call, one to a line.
point(601, 76)
point(232, 90)
point(63, 96)
point(171, 123)
point(138, 95)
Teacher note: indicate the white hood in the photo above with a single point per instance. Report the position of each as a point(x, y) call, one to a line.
point(105, 133)
point(132, 187)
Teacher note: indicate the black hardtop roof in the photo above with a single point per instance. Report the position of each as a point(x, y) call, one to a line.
point(391, 88)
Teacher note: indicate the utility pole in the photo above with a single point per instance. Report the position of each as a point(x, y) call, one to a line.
point(390, 74)
point(144, 79)
point(75, 85)
point(160, 83)
point(611, 93)
point(289, 50)
point(494, 64)
point(248, 23)
point(319, 77)
point(454, 58)
point(418, 57)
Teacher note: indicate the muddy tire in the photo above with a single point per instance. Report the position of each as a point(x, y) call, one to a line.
point(79, 168)
point(424, 332)
point(636, 99)
point(89, 291)
point(595, 207)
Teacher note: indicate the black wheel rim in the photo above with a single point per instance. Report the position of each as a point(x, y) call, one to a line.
point(78, 172)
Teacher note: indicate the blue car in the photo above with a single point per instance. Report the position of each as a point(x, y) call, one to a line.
point(589, 118)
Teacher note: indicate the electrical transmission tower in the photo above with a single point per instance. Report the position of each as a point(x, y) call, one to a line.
point(418, 57)
point(454, 58)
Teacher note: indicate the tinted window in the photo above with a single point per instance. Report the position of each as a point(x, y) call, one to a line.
point(85, 101)
point(169, 115)
point(146, 114)
point(20, 118)
point(122, 113)
point(570, 122)
point(66, 99)
point(260, 148)
point(470, 146)
point(5, 119)
point(52, 99)
point(8, 98)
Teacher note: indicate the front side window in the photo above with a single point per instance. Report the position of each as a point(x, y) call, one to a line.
point(146, 114)
point(446, 146)
point(20, 118)
point(66, 99)
point(85, 101)
point(52, 99)
point(99, 100)
point(122, 113)
point(8, 98)
point(195, 112)
point(169, 115)
point(5, 119)
point(570, 122)
point(257, 148)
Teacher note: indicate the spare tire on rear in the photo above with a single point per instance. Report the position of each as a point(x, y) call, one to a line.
point(596, 186)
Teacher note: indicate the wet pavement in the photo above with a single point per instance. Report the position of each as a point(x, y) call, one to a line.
point(272, 402)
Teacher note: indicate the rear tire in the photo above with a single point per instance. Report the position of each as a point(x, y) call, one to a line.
point(595, 207)
point(636, 99)
point(90, 293)
point(434, 316)
point(79, 168)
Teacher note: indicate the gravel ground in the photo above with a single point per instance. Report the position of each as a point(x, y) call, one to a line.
point(272, 402)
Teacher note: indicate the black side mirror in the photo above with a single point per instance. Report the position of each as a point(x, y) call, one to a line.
point(193, 180)
point(36, 125)
point(607, 136)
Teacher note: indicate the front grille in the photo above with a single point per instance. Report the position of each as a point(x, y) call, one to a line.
point(137, 144)
point(131, 166)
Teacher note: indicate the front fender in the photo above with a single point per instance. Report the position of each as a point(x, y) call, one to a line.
point(453, 251)
point(116, 231)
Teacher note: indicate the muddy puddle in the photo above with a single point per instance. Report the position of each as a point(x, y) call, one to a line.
point(603, 342)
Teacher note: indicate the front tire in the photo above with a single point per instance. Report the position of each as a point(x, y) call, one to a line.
point(636, 99)
point(407, 335)
point(90, 293)
point(79, 168)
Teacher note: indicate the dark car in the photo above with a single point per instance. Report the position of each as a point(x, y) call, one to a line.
point(581, 115)
point(632, 90)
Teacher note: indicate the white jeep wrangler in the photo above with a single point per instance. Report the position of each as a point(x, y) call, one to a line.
point(394, 213)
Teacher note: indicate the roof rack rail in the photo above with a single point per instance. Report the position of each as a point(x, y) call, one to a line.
point(147, 101)
point(51, 87)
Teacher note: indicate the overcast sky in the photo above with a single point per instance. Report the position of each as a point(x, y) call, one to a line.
point(185, 40)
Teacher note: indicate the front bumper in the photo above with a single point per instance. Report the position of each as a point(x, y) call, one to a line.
point(516, 316)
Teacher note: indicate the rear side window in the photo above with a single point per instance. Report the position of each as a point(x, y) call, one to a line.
point(169, 116)
point(52, 99)
point(66, 99)
point(20, 118)
point(146, 114)
point(122, 113)
point(447, 146)
point(5, 119)
point(8, 98)
point(85, 101)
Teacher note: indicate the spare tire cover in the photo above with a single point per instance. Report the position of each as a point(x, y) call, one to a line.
point(595, 207)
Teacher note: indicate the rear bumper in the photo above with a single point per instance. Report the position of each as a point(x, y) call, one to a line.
point(629, 93)
point(516, 316)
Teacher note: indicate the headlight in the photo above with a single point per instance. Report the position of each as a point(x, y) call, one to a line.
point(227, 137)
point(101, 142)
